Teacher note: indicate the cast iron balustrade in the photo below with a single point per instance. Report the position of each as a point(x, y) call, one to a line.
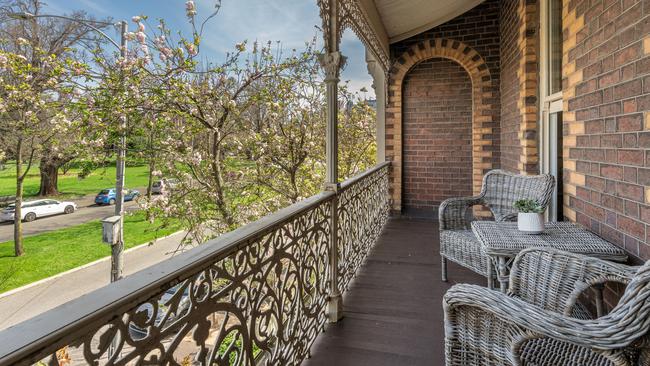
point(257, 295)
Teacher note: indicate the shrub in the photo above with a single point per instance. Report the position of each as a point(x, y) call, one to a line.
point(528, 206)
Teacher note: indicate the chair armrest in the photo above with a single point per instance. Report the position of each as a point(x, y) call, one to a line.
point(553, 279)
point(606, 333)
point(451, 213)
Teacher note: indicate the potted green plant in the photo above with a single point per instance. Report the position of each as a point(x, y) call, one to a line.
point(530, 219)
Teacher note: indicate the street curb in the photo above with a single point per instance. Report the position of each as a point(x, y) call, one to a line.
point(25, 287)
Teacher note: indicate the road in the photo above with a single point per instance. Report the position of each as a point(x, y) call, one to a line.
point(47, 294)
point(87, 211)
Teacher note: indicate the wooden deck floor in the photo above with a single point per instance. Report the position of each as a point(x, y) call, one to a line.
point(393, 310)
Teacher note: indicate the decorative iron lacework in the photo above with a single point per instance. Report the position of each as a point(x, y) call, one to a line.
point(350, 16)
point(324, 7)
point(265, 301)
point(363, 212)
point(353, 17)
point(261, 300)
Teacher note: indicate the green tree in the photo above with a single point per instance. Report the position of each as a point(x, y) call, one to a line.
point(53, 36)
point(32, 85)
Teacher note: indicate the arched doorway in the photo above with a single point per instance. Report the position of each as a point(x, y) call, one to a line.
point(437, 135)
point(484, 112)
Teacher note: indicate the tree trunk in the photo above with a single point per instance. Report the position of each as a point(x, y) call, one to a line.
point(152, 166)
point(18, 214)
point(216, 162)
point(49, 178)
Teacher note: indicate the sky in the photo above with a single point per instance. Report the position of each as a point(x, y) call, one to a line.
point(293, 22)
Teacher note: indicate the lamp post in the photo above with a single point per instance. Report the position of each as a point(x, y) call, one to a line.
point(117, 249)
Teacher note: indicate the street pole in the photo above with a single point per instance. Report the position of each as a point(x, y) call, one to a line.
point(117, 250)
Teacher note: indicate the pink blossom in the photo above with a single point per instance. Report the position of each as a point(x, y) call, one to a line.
point(191, 49)
point(159, 41)
point(141, 37)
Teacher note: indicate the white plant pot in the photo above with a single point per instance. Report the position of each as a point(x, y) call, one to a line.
point(530, 223)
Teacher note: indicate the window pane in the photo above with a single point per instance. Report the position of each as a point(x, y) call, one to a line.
point(557, 212)
point(555, 46)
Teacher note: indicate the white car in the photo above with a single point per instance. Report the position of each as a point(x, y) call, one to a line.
point(40, 208)
point(163, 186)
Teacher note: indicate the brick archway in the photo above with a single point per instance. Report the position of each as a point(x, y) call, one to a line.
point(483, 108)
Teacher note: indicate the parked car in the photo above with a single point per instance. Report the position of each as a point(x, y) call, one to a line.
point(137, 333)
point(108, 196)
point(40, 208)
point(164, 185)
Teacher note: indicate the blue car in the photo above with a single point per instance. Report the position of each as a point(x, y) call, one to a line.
point(108, 196)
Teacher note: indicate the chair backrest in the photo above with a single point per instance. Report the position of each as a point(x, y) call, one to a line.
point(502, 189)
point(554, 280)
point(628, 324)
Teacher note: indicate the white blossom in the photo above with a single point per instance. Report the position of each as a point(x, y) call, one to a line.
point(190, 8)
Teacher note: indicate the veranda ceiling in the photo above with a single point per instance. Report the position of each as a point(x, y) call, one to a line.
point(378, 23)
point(405, 18)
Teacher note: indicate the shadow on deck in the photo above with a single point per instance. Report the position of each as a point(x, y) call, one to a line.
point(393, 309)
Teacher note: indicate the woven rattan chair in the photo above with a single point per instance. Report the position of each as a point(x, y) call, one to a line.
point(499, 192)
point(537, 322)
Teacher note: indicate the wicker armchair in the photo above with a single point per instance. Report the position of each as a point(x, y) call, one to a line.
point(535, 324)
point(499, 192)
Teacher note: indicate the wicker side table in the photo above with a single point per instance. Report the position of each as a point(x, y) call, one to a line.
point(502, 241)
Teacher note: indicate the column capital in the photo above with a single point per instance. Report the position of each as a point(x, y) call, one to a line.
point(332, 63)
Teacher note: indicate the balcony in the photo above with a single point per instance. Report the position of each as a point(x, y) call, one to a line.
point(261, 293)
point(335, 279)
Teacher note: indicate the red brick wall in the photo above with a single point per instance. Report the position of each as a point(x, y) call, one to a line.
point(479, 29)
point(518, 22)
point(607, 104)
point(510, 56)
point(437, 130)
point(472, 40)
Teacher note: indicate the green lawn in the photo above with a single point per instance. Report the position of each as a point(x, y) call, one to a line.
point(69, 184)
point(58, 251)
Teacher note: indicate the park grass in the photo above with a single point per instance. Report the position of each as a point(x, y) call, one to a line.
point(70, 185)
point(57, 251)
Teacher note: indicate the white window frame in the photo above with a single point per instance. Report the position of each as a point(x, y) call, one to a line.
point(549, 104)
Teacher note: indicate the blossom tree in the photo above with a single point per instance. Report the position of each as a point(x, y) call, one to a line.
point(206, 150)
point(284, 138)
point(357, 131)
point(62, 38)
point(247, 139)
point(32, 85)
point(134, 90)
